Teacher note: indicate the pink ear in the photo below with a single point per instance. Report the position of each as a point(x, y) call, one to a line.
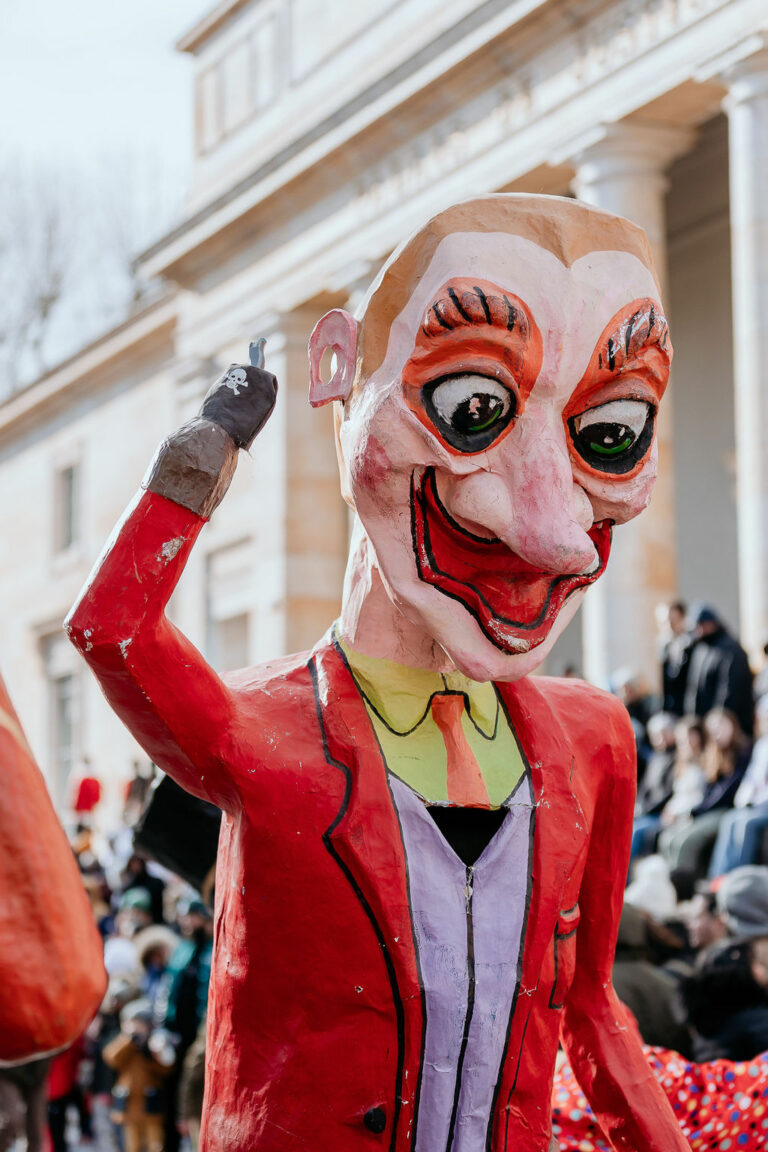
point(338, 331)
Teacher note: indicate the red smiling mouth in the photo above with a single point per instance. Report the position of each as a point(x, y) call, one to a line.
point(514, 603)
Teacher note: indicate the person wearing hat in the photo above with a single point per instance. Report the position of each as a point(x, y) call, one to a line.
point(134, 911)
point(719, 675)
point(742, 900)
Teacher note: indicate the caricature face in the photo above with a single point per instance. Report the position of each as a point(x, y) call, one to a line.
point(508, 428)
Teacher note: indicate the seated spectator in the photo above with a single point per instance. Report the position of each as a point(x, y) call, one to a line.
point(688, 780)
point(655, 788)
point(740, 835)
point(725, 759)
point(726, 1001)
point(688, 783)
point(647, 991)
point(742, 902)
point(704, 921)
point(651, 889)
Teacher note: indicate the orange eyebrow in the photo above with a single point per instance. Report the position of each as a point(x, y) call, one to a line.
point(473, 325)
point(634, 343)
point(462, 304)
point(640, 326)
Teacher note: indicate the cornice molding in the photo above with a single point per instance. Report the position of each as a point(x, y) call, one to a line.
point(586, 59)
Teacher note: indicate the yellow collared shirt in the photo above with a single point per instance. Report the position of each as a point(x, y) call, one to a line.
point(398, 700)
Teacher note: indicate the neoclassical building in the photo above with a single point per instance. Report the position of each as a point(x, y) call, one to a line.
point(325, 132)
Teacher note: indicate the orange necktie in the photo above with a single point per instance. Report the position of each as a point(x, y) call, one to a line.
point(465, 784)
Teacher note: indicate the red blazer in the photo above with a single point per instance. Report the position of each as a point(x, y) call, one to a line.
point(316, 1015)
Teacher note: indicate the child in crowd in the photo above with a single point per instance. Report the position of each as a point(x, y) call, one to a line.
point(142, 1058)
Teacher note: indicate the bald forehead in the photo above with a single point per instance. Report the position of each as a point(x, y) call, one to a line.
point(566, 229)
point(569, 304)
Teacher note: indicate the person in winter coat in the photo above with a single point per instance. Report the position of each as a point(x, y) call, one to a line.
point(142, 1059)
point(719, 675)
point(726, 1001)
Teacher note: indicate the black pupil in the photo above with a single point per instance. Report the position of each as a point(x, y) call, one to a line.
point(609, 436)
point(477, 412)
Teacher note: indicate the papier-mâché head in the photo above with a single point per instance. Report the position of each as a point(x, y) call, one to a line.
point(499, 388)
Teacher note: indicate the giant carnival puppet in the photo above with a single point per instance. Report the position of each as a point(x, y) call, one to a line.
point(423, 849)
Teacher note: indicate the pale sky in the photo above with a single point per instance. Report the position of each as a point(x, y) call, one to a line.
point(81, 77)
point(96, 117)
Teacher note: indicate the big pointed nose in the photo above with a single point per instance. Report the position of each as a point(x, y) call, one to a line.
point(529, 501)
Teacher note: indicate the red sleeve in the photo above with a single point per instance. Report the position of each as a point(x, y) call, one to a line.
point(155, 679)
point(603, 1045)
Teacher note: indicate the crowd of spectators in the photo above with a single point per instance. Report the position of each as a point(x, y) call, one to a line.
point(691, 963)
point(702, 750)
point(134, 1081)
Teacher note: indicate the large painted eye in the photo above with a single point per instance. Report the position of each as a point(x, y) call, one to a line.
point(469, 411)
point(613, 437)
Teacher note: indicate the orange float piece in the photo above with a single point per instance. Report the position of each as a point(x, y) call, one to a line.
point(52, 975)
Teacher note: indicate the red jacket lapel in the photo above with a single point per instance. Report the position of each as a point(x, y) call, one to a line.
point(367, 843)
point(559, 842)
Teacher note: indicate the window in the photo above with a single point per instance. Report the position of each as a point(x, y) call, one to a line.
point(236, 83)
point(65, 508)
point(230, 602)
point(62, 731)
point(63, 713)
point(264, 48)
point(228, 642)
point(208, 109)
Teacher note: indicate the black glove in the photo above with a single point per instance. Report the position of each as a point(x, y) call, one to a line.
point(241, 402)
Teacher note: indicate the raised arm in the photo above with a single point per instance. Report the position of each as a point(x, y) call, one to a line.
point(604, 1048)
point(155, 679)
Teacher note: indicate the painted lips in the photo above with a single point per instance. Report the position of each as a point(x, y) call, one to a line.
point(514, 603)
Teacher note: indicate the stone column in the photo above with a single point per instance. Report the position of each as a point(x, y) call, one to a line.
point(623, 171)
point(315, 514)
point(747, 109)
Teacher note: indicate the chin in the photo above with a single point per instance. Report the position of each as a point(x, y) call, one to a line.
point(471, 652)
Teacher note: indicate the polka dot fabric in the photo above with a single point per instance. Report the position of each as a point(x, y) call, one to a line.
point(720, 1106)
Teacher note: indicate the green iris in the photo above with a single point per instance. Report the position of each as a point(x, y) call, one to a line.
point(612, 450)
point(491, 419)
